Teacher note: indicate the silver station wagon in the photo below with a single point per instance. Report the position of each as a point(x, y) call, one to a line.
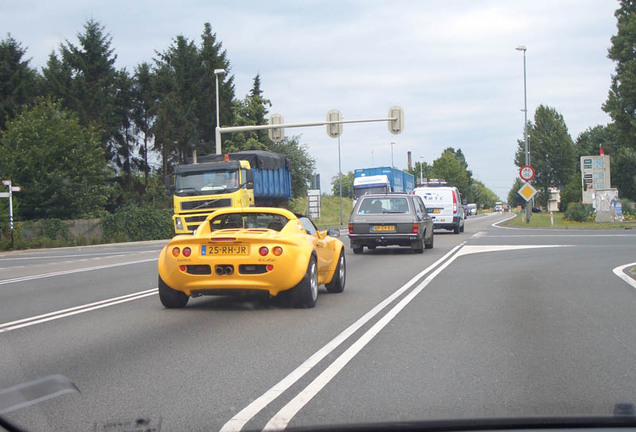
point(390, 219)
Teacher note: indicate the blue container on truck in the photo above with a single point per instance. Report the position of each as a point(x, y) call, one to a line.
point(399, 180)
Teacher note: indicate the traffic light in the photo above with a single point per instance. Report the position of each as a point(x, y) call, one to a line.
point(397, 125)
point(276, 134)
point(334, 130)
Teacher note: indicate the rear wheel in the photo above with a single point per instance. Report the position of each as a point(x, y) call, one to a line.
point(337, 284)
point(357, 249)
point(429, 244)
point(305, 294)
point(418, 246)
point(462, 228)
point(456, 228)
point(171, 298)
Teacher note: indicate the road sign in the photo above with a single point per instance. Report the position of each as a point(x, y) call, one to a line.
point(16, 188)
point(526, 173)
point(4, 194)
point(527, 191)
point(6, 182)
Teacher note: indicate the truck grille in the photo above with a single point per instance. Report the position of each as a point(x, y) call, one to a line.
point(206, 204)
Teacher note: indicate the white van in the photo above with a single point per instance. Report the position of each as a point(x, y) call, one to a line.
point(444, 204)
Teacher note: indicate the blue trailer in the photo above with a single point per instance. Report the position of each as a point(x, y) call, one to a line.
point(381, 179)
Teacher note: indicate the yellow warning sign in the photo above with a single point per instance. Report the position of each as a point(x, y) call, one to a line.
point(527, 191)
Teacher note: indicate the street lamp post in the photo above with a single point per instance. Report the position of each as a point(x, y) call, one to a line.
point(525, 124)
point(392, 144)
point(217, 134)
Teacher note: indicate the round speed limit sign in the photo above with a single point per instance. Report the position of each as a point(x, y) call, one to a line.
point(526, 173)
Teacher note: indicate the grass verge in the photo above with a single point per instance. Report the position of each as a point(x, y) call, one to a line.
point(542, 220)
point(329, 210)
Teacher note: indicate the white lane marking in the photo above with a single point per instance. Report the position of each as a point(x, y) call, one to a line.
point(38, 319)
point(237, 422)
point(496, 224)
point(618, 271)
point(284, 416)
point(65, 272)
point(467, 250)
point(26, 257)
point(587, 234)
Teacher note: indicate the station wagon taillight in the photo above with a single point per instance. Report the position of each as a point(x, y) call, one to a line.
point(416, 228)
point(350, 228)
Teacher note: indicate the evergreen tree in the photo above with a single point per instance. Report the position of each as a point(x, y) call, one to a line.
point(621, 100)
point(18, 82)
point(552, 152)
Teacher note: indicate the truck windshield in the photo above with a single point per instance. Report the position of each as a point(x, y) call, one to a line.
point(358, 192)
point(206, 182)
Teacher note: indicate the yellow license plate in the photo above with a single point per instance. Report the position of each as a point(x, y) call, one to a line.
point(225, 250)
point(437, 210)
point(384, 228)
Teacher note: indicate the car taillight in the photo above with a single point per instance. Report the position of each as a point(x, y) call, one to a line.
point(263, 251)
point(183, 268)
point(278, 251)
point(454, 202)
point(176, 251)
point(350, 228)
point(186, 251)
point(416, 228)
point(269, 267)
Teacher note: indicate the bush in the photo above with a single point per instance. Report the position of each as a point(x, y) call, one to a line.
point(138, 223)
point(578, 212)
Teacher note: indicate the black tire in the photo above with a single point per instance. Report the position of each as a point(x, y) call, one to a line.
point(357, 249)
point(371, 247)
point(429, 244)
point(462, 228)
point(456, 228)
point(171, 298)
point(337, 284)
point(418, 246)
point(305, 294)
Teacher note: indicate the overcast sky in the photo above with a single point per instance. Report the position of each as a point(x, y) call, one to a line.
point(451, 65)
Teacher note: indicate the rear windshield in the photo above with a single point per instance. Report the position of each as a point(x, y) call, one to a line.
point(383, 205)
point(248, 220)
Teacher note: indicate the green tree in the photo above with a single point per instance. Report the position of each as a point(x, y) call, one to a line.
point(185, 99)
point(142, 114)
point(303, 164)
point(451, 169)
point(347, 185)
point(58, 163)
point(249, 112)
point(420, 170)
point(552, 152)
point(621, 100)
point(85, 79)
point(18, 82)
point(483, 197)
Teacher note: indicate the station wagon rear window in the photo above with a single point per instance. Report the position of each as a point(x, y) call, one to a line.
point(384, 205)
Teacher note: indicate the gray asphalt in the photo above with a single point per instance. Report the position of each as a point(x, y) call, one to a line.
point(527, 332)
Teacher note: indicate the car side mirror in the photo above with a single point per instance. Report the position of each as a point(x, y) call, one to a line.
point(333, 232)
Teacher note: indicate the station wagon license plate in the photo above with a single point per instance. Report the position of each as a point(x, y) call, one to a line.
point(383, 228)
point(225, 250)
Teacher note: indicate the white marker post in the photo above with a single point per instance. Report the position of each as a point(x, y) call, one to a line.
point(9, 195)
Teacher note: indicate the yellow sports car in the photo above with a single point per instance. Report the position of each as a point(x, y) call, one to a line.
point(252, 249)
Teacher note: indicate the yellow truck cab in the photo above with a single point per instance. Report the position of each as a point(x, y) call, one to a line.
point(241, 179)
